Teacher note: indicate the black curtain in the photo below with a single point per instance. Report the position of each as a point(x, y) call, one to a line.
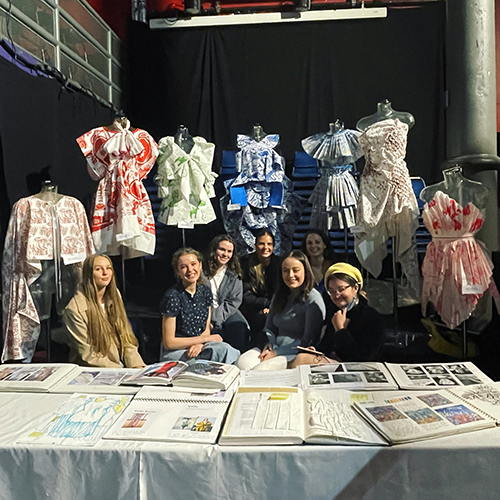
point(293, 79)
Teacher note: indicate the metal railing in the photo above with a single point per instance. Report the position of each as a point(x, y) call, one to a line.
point(69, 36)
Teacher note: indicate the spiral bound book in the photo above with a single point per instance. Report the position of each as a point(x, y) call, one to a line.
point(162, 414)
point(407, 416)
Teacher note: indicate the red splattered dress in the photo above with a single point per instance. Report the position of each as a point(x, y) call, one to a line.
point(456, 269)
point(122, 221)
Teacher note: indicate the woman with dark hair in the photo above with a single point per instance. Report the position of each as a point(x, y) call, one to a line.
point(223, 272)
point(296, 315)
point(186, 315)
point(260, 278)
point(355, 331)
point(95, 318)
point(320, 253)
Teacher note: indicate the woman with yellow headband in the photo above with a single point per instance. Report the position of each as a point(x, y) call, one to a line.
point(355, 331)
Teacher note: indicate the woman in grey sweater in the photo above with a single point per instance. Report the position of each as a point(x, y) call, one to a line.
point(223, 273)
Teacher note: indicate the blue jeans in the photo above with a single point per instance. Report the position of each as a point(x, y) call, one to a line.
point(212, 351)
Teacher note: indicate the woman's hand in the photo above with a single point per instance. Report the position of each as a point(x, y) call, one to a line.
point(267, 353)
point(194, 350)
point(265, 311)
point(340, 319)
point(215, 337)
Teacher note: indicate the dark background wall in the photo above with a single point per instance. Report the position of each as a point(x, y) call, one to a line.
point(39, 122)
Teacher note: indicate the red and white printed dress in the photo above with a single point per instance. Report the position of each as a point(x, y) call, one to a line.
point(456, 269)
point(38, 231)
point(122, 222)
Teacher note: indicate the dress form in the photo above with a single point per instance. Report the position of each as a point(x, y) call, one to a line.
point(183, 139)
point(338, 126)
point(385, 112)
point(49, 193)
point(459, 188)
point(257, 133)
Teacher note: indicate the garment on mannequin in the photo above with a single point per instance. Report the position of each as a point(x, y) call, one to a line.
point(120, 158)
point(385, 112)
point(185, 180)
point(261, 196)
point(387, 205)
point(335, 196)
point(459, 188)
point(45, 241)
point(183, 139)
point(338, 146)
point(456, 269)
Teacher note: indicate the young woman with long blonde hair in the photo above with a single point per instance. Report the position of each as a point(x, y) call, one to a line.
point(99, 333)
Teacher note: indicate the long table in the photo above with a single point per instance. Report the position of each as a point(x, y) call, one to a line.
point(464, 466)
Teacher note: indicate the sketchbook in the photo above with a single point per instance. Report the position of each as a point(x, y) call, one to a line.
point(162, 414)
point(35, 377)
point(97, 381)
point(200, 374)
point(80, 421)
point(403, 417)
point(350, 376)
point(290, 415)
point(433, 375)
point(485, 398)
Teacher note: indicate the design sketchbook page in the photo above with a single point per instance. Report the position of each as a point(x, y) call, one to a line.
point(33, 377)
point(428, 375)
point(484, 397)
point(97, 381)
point(270, 378)
point(264, 415)
point(207, 374)
point(331, 418)
point(80, 421)
point(353, 376)
point(156, 374)
point(403, 416)
point(160, 414)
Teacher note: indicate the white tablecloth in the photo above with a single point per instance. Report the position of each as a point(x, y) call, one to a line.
point(460, 467)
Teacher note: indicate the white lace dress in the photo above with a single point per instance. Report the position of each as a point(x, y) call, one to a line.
point(387, 204)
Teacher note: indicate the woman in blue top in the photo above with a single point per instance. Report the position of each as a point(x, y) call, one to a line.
point(186, 315)
point(296, 315)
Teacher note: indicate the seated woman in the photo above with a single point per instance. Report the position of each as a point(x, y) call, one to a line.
point(260, 278)
point(355, 331)
point(95, 318)
point(320, 253)
point(223, 272)
point(186, 315)
point(296, 315)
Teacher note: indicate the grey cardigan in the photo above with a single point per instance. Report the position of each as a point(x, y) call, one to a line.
point(229, 297)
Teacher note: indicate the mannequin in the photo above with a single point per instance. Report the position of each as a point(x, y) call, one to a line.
point(119, 123)
point(49, 193)
point(459, 188)
point(338, 126)
point(183, 139)
point(385, 112)
point(456, 269)
point(257, 133)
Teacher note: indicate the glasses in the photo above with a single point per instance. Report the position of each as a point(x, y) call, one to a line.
point(338, 291)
